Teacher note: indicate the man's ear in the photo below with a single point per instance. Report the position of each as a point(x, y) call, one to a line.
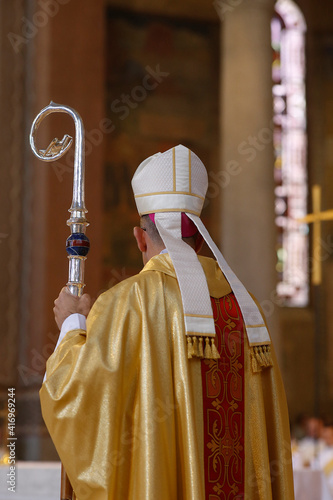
point(140, 236)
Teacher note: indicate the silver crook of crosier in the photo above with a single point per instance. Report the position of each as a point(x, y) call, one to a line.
point(77, 244)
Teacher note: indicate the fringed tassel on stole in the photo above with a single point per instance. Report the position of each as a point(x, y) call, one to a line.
point(208, 349)
point(215, 352)
point(189, 348)
point(261, 357)
point(200, 349)
point(195, 348)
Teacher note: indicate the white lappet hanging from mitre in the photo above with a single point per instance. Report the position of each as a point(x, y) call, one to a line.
point(167, 185)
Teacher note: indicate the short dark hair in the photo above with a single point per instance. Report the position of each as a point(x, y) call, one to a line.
point(151, 229)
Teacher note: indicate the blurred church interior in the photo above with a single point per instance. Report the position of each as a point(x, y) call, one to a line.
point(248, 86)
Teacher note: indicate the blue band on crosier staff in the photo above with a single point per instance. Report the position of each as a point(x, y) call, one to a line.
point(77, 244)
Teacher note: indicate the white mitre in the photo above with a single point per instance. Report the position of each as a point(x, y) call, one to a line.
point(167, 184)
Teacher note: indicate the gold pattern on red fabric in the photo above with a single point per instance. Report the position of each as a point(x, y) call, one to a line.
point(223, 400)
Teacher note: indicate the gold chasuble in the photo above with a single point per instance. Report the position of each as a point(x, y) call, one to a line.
point(133, 418)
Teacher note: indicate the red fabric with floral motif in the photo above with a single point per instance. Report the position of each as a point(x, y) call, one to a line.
point(223, 398)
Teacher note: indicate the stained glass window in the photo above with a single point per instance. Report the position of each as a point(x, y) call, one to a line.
point(290, 146)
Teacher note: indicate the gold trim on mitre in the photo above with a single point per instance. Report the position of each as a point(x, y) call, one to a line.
point(155, 184)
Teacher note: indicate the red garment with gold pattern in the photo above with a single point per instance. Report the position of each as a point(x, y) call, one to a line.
point(223, 400)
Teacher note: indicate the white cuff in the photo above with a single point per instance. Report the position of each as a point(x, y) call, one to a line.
point(75, 321)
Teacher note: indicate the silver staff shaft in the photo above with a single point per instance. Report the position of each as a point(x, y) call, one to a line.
point(77, 244)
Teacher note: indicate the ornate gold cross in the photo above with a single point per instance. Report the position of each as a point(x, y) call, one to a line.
point(316, 218)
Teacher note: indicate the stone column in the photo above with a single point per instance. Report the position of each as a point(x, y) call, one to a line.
point(246, 171)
